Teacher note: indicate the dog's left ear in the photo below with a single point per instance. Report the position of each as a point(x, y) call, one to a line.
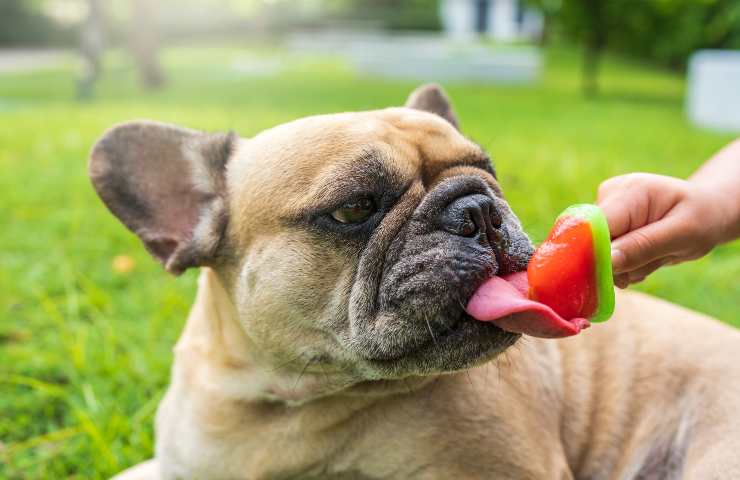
point(167, 185)
point(432, 98)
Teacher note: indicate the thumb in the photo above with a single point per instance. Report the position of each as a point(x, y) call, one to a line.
point(625, 210)
point(644, 245)
point(618, 215)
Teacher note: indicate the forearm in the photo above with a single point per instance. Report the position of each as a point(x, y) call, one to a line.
point(721, 175)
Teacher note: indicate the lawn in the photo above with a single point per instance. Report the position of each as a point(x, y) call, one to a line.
point(85, 348)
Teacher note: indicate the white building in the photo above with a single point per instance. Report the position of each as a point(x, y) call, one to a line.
point(713, 93)
point(502, 20)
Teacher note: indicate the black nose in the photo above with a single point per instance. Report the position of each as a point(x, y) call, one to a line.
point(471, 216)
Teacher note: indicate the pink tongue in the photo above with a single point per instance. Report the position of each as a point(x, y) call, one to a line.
point(503, 301)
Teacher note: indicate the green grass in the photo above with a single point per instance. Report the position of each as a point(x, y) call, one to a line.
point(85, 352)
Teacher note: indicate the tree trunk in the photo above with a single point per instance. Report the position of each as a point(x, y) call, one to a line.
point(92, 46)
point(595, 34)
point(591, 59)
point(144, 43)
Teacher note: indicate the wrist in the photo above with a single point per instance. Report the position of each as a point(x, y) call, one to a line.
point(733, 230)
point(726, 207)
point(719, 178)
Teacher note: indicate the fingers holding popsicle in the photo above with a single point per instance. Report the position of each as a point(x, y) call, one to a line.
point(657, 220)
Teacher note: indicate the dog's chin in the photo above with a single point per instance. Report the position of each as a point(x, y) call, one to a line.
point(465, 344)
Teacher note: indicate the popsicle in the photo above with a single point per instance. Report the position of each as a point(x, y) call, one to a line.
point(571, 271)
point(567, 285)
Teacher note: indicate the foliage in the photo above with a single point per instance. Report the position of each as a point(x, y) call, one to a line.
point(662, 31)
point(390, 14)
point(669, 31)
point(85, 339)
point(23, 23)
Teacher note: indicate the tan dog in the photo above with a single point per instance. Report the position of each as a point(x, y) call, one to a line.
point(328, 339)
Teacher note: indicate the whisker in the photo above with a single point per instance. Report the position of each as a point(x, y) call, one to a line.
point(305, 367)
point(329, 381)
point(488, 367)
point(429, 327)
point(432, 389)
point(467, 375)
point(282, 365)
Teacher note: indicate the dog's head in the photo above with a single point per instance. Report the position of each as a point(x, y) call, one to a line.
point(348, 244)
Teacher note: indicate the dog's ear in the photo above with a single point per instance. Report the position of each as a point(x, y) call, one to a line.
point(432, 98)
point(166, 184)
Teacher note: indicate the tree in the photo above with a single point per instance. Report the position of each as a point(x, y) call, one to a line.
point(593, 25)
point(92, 46)
point(144, 42)
point(390, 14)
point(663, 31)
point(589, 22)
point(23, 22)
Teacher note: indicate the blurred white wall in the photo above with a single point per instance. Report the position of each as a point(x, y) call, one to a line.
point(502, 20)
point(713, 94)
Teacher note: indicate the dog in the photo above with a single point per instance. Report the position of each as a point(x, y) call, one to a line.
point(329, 337)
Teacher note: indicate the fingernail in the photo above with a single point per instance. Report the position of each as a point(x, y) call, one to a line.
point(618, 259)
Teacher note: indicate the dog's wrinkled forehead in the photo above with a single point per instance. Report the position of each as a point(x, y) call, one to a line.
point(308, 161)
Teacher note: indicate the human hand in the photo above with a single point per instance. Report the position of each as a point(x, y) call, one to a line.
point(657, 220)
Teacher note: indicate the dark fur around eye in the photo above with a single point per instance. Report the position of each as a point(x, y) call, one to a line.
point(382, 201)
point(355, 211)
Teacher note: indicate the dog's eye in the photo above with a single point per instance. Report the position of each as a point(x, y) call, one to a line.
point(356, 211)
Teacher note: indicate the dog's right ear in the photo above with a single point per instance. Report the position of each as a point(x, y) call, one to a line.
point(166, 184)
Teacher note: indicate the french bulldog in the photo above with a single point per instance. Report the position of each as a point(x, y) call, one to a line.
point(329, 337)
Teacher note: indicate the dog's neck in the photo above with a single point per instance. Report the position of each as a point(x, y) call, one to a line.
point(214, 350)
point(222, 387)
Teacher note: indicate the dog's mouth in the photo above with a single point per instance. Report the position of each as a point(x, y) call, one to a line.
point(464, 343)
point(503, 302)
point(496, 315)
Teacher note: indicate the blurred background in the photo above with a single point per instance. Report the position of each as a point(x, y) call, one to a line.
point(562, 93)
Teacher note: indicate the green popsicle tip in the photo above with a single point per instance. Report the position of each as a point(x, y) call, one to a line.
point(602, 256)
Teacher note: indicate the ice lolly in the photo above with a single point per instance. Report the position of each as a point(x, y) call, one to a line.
point(571, 272)
point(567, 285)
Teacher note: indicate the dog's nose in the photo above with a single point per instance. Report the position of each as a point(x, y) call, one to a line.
point(471, 216)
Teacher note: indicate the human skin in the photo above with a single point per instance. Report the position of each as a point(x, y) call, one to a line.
point(658, 220)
